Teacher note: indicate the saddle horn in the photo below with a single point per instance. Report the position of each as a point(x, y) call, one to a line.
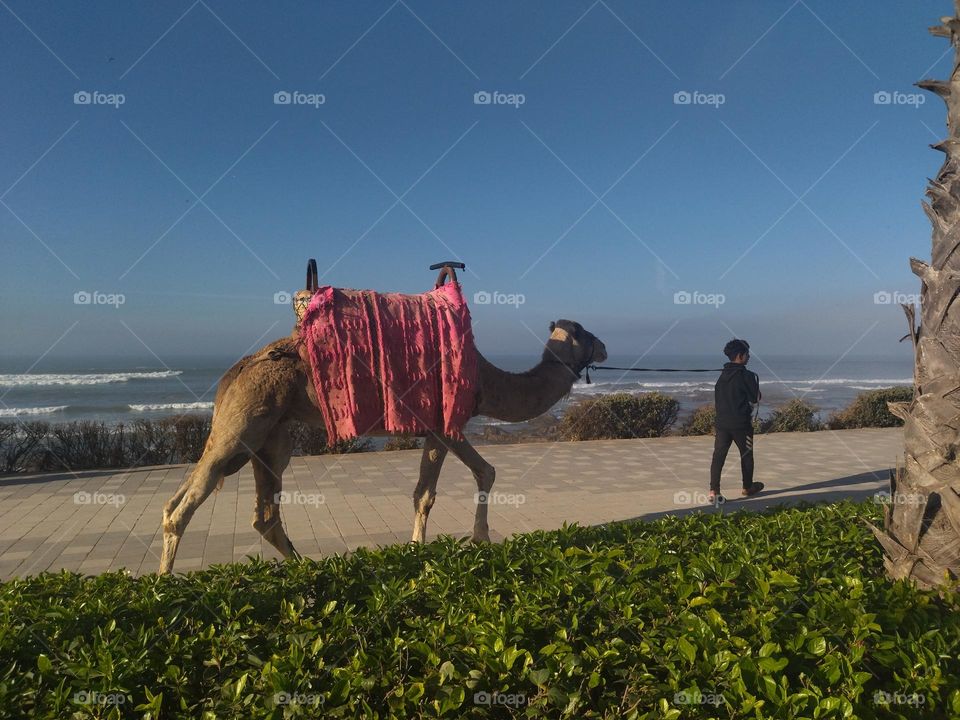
point(447, 270)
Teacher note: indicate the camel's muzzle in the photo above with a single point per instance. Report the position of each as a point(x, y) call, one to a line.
point(599, 352)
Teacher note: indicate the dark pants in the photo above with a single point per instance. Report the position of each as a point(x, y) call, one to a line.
point(744, 441)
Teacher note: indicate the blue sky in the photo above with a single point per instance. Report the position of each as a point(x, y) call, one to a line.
point(783, 186)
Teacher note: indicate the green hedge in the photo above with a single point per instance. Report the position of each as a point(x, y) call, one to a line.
point(619, 416)
point(784, 615)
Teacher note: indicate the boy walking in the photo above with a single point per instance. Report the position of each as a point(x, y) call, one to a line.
point(736, 392)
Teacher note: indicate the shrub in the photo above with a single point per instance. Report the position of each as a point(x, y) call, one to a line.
point(869, 409)
point(8, 431)
point(190, 434)
point(150, 443)
point(90, 445)
point(701, 422)
point(22, 444)
point(402, 442)
point(620, 415)
point(783, 615)
point(83, 445)
point(312, 440)
point(794, 416)
point(351, 445)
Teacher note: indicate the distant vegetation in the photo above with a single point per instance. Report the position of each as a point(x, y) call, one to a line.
point(870, 410)
point(87, 445)
point(703, 421)
point(403, 442)
point(310, 440)
point(619, 416)
point(795, 415)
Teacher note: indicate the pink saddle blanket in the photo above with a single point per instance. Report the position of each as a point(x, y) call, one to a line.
point(386, 361)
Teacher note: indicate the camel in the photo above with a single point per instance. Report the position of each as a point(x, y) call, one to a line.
point(263, 393)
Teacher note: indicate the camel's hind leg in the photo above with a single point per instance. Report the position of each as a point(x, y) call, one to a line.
point(181, 507)
point(268, 466)
point(223, 455)
point(485, 475)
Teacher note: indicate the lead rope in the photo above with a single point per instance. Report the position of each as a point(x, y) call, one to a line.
point(588, 368)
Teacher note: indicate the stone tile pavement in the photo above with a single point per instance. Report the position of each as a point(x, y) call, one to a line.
point(95, 521)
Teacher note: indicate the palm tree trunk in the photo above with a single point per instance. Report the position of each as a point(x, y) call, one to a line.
point(921, 535)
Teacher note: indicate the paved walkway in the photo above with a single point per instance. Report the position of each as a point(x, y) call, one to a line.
point(101, 520)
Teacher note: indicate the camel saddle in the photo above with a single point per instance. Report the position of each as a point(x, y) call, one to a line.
point(389, 362)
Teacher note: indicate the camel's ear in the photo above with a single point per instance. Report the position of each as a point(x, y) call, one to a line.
point(553, 326)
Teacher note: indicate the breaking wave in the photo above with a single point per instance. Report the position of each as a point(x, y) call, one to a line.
point(172, 406)
point(51, 379)
point(15, 412)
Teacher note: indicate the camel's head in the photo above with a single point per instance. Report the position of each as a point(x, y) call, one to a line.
point(573, 346)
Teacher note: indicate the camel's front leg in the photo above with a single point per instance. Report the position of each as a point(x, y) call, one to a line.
point(485, 474)
point(434, 452)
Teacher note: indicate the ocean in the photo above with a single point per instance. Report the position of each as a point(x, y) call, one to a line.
point(122, 390)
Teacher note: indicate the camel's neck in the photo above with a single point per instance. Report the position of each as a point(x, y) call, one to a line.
point(515, 397)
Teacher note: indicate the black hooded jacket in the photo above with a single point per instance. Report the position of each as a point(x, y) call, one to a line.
point(736, 389)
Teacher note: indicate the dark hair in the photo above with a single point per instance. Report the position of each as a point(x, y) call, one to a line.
point(736, 347)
